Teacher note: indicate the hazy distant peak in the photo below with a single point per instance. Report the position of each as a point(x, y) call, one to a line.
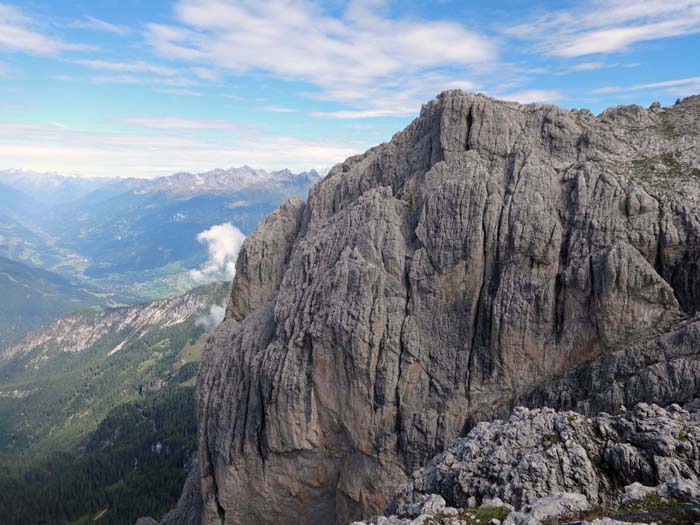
point(56, 188)
point(228, 180)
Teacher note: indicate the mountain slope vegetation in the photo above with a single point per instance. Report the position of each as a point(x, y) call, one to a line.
point(97, 411)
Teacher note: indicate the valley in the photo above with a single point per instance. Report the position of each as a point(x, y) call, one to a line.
point(97, 406)
point(108, 242)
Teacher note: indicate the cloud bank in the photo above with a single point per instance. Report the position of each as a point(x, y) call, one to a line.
point(223, 242)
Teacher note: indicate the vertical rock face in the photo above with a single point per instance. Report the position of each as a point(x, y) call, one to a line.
point(487, 249)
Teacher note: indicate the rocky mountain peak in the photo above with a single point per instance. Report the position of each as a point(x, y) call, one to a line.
point(486, 251)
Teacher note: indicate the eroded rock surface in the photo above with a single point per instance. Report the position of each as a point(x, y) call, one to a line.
point(486, 252)
point(550, 465)
point(538, 453)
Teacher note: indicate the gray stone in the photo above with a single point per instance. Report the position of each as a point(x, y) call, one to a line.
point(430, 504)
point(637, 491)
point(553, 506)
point(146, 521)
point(492, 503)
point(680, 488)
point(489, 255)
point(538, 453)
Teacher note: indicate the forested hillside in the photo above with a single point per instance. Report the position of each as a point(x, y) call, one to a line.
point(97, 411)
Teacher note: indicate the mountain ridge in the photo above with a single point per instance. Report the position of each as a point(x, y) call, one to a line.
point(80, 363)
point(488, 248)
point(138, 237)
point(229, 179)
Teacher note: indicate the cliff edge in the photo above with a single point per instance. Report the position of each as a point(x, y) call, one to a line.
point(491, 254)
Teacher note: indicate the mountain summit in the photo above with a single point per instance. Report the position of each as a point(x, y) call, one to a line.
point(483, 255)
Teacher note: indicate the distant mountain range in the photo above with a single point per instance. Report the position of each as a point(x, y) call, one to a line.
point(129, 239)
point(53, 188)
point(101, 333)
point(50, 187)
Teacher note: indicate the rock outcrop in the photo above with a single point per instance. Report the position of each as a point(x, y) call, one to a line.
point(491, 254)
point(537, 453)
point(547, 464)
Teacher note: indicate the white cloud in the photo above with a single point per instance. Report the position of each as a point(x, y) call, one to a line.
point(176, 85)
point(17, 33)
point(362, 58)
point(133, 79)
point(276, 109)
point(677, 87)
point(223, 242)
point(213, 318)
point(530, 96)
point(128, 67)
point(588, 66)
point(91, 22)
point(398, 98)
point(361, 113)
point(176, 123)
point(606, 26)
point(207, 74)
point(88, 152)
point(181, 92)
point(141, 72)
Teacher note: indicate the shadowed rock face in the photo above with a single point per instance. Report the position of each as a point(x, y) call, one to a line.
point(487, 250)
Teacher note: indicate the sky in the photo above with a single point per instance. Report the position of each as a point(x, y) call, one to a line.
point(144, 88)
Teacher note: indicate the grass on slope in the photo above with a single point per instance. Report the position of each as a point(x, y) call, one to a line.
point(68, 398)
point(60, 399)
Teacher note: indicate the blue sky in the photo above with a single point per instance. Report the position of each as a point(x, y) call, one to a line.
point(151, 87)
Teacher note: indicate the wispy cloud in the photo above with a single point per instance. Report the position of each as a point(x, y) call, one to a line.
point(606, 26)
point(91, 22)
point(181, 92)
point(128, 67)
point(175, 123)
point(175, 85)
point(361, 58)
point(277, 109)
point(677, 87)
point(231, 96)
point(361, 113)
point(18, 33)
point(588, 66)
point(205, 73)
point(594, 65)
point(92, 153)
point(175, 81)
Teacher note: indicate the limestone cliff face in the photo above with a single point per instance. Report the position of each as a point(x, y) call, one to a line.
point(486, 251)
